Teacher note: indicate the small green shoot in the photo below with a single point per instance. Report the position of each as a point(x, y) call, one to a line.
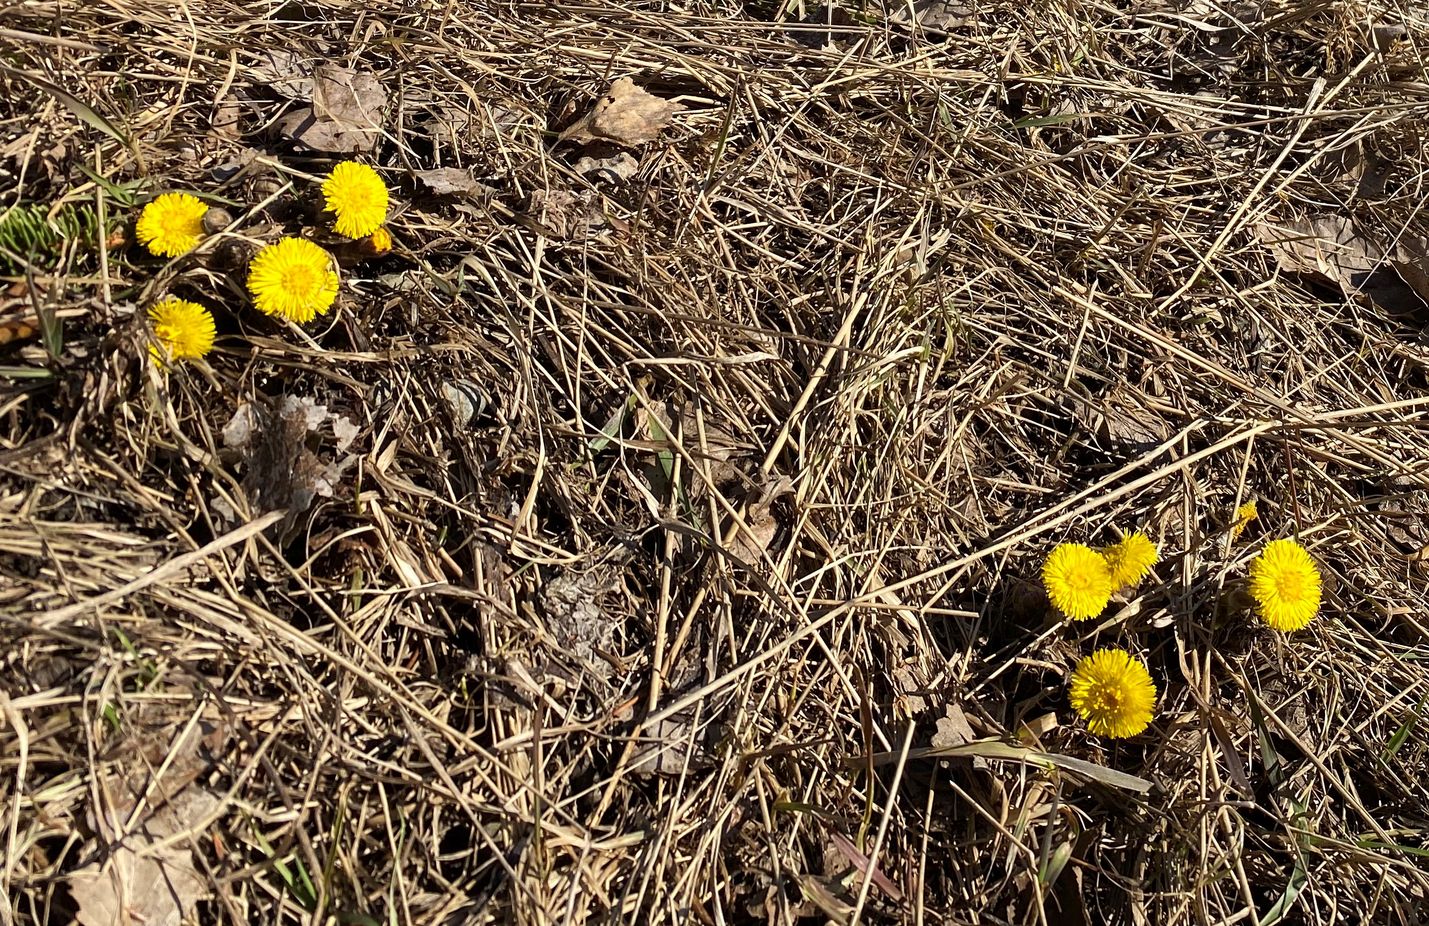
point(294, 878)
point(1401, 735)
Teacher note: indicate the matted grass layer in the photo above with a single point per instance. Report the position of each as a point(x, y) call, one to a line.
point(660, 541)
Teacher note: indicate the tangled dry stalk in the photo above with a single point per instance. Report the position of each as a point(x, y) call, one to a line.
point(655, 536)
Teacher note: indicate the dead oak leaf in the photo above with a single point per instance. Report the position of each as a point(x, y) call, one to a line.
point(626, 115)
point(1328, 246)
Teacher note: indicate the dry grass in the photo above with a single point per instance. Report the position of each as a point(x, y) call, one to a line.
point(760, 476)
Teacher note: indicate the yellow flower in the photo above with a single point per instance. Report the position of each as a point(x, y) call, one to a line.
point(293, 279)
point(1243, 516)
point(357, 196)
point(1077, 581)
point(172, 224)
point(1285, 585)
point(1112, 691)
point(1130, 559)
point(380, 241)
point(182, 330)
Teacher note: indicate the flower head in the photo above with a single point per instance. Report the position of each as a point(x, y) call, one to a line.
point(293, 279)
point(356, 195)
point(182, 330)
point(1243, 516)
point(380, 241)
point(1112, 691)
point(1130, 559)
point(172, 224)
point(1285, 585)
point(1077, 581)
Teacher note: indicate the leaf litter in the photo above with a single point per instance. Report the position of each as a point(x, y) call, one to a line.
point(145, 873)
point(271, 439)
point(627, 115)
point(918, 407)
point(1393, 273)
point(346, 112)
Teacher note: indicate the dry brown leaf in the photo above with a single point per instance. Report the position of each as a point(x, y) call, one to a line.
point(614, 169)
point(1030, 731)
point(273, 443)
point(227, 120)
point(664, 747)
point(1394, 274)
point(580, 627)
point(626, 115)
point(1360, 165)
point(284, 72)
point(565, 216)
point(346, 114)
point(938, 17)
point(1411, 262)
point(1326, 245)
point(1124, 417)
point(757, 532)
point(449, 181)
point(953, 729)
point(752, 540)
point(145, 880)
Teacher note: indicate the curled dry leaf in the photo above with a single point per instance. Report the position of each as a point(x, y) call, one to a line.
point(284, 72)
point(760, 526)
point(346, 114)
point(626, 115)
point(617, 168)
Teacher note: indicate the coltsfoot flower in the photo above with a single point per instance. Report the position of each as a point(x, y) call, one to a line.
point(1130, 559)
point(1243, 516)
point(293, 279)
point(1077, 580)
point(1112, 691)
point(1285, 584)
point(183, 330)
point(357, 197)
point(171, 225)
